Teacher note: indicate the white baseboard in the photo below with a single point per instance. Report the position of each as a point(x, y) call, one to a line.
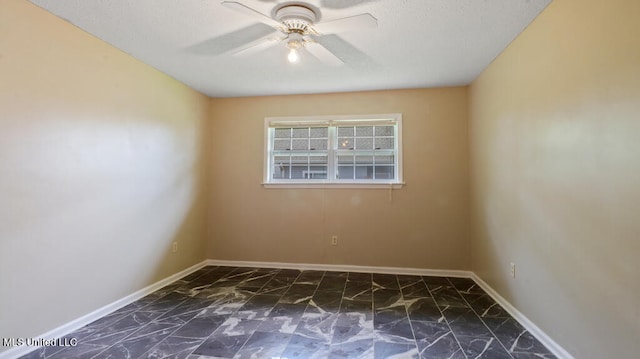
point(344, 268)
point(78, 323)
point(554, 347)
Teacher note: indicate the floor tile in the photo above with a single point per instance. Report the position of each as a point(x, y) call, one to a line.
point(386, 298)
point(385, 350)
point(357, 349)
point(256, 280)
point(515, 338)
point(464, 321)
point(386, 281)
point(322, 302)
point(485, 306)
point(259, 306)
point(353, 312)
point(423, 309)
point(317, 326)
point(310, 350)
point(343, 335)
point(407, 280)
point(81, 351)
point(415, 290)
point(276, 286)
point(466, 285)
point(358, 290)
point(395, 331)
point(200, 327)
point(432, 281)
point(174, 347)
point(310, 277)
point(435, 340)
point(332, 284)
point(264, 345)
point(447, 296)
point(299, 293)
point(482, 347)
point(237, 326)
point(222, 346)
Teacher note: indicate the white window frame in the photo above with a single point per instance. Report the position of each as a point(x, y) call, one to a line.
point(270, 123)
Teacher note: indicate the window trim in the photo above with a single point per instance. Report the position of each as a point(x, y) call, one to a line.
point(332, 122)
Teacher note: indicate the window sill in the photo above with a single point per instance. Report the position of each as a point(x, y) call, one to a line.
point(336, 185)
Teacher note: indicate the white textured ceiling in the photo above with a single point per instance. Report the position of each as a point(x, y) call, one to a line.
point(418, 43)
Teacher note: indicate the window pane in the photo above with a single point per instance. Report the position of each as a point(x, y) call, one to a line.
point(300, 145)
point(300, 167)
point(301, 132)
point(281, 172)
point(345, 159)
point(345, 143)
point(280, 167)
point(282, 133)
point(345, 172)
point(364, 172)
point(364, 131)
point(317, 172)
point(384, 130)
point(298, 172)
point(319, 132)
point(318, 160)
point(384, 172)
point(364, 143)
point(384, 143)
point(345, 131)
point(364, 160)
point(318, 144)
point(297, 160)
point(281, 145)
point(384, 159)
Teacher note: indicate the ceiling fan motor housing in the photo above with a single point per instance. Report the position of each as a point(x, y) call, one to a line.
point(296, 18)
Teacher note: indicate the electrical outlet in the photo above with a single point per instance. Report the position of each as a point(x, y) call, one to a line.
point(334, 240)
point(174, 247)
point(512, 267)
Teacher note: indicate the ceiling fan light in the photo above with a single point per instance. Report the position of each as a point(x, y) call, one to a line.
point(293, 56)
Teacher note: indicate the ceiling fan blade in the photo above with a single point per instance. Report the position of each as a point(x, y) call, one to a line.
point(356, 22)
point(346, 52)
point(258, 45)
point(233, 40)
point(323, 54)
point(252, 12)
point(341, 4)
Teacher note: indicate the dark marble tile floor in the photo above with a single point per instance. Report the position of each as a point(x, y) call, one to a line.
point(231, 312)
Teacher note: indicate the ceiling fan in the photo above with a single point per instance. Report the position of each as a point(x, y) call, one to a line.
point(297, 24)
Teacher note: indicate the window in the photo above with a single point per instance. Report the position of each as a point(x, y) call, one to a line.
point(348, 150)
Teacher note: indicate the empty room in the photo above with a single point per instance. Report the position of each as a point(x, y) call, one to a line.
point(274, 179)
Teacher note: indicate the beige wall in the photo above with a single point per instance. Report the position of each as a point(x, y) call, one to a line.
point(555, 153)
point(100, 171)
point(424, 225)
